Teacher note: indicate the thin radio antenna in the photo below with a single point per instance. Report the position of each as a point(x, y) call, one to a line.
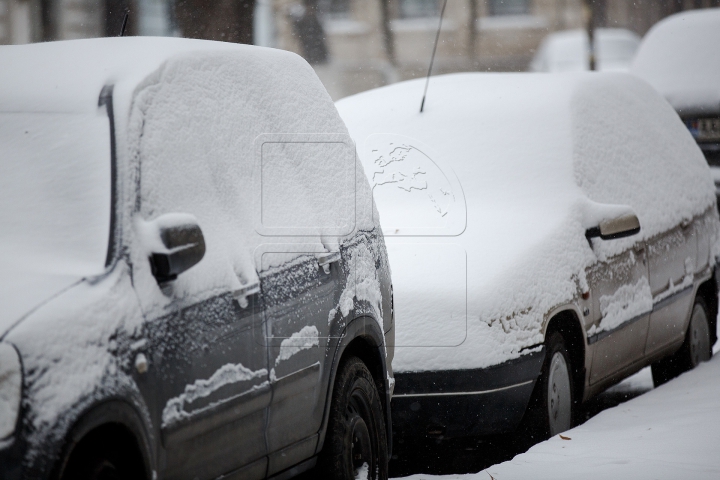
point(122, 29)
point(432, 58)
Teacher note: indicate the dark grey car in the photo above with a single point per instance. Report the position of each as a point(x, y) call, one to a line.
point(193, 282)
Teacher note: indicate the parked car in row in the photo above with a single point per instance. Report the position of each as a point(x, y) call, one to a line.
point(569, 51)
point(680, 58)
point(194, 284)
point(549, 235)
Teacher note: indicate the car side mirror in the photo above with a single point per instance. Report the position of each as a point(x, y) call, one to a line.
point(184, 246)
point(619, 227)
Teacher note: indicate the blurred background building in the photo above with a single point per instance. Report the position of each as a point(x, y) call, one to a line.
point(354, 45)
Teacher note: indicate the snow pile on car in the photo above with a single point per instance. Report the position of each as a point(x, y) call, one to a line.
point(540, 158)
point(680, 57)
point(202, 129)
point(176, 102)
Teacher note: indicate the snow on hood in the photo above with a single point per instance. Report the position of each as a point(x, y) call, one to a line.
point(26, 289)
point(55, 159)
point(532, 161)
point(679, 56)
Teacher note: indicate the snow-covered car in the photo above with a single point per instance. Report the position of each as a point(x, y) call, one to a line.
point(569, 51)
point(680, 57)
point(193, 281)
point(548, 235)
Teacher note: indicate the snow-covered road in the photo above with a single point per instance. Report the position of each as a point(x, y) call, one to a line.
point(670, 432)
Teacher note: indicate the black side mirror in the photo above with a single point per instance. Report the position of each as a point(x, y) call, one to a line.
point(184, 247)
point(620, 227)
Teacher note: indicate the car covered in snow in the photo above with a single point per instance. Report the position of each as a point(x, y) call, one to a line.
point(569, 51)
point(194, 284)
point(548, 234)
point(679, 56)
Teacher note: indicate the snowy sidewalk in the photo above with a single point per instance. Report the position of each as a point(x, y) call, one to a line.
point(670, 432)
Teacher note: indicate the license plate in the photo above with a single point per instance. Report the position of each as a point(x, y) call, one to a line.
point(704, 129)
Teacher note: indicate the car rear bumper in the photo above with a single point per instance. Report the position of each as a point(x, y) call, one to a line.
point(458, 403)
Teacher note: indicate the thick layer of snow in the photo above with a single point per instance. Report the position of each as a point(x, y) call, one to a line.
point(188, 116)
point(363, 283)
point(628, 302)
point(569, 51)
point(275, 165)
point(679, 56)
point(306, 338)
point(180, 407)
point(54, 204)
point(537, 159)
point(669, 432)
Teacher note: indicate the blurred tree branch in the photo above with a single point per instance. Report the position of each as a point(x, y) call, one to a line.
point(223, 20)
point(305, 18)
point(387, 34)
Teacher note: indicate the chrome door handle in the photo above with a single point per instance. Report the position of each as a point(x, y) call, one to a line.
point(325, 259)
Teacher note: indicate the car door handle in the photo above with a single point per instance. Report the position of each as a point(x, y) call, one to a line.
point(245, 291)
point(326, 259)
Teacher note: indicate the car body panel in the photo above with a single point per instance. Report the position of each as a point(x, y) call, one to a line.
point(195, 356)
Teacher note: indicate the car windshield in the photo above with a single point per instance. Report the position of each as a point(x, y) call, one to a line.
point(55, 190)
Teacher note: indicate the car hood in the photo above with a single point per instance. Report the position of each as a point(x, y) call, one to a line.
point(23, 287)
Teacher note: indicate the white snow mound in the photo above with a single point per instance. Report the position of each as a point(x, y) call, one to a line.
point(485, 197)
point(680, 57)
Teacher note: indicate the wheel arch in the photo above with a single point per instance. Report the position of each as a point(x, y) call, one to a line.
point(115, 420)
point(363, 338)
point(567, 323)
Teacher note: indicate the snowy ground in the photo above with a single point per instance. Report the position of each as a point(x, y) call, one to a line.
point(669, 432)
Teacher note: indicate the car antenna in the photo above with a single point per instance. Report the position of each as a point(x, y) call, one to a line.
point(432, 58)
point(122, 29)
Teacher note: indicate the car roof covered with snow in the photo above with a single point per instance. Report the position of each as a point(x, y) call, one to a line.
point(68, 76)
point(512, 168)
point(181, 106)
point(680, 57)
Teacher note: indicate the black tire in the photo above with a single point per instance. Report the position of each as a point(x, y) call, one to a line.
point(100, 457)
point(551, 409)
point(356, 433)
point(695, 349)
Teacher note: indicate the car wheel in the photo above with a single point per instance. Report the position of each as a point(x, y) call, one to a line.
point(355, 442)
point(98, 465)
point(694, 350)
point(551, 407)
point(105, 453)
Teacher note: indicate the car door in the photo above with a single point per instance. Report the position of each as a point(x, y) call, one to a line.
point(207, 376)
point(621, 303)
point(210, 382)
point(302, 276)
point(672, 257)
point(300, 296)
